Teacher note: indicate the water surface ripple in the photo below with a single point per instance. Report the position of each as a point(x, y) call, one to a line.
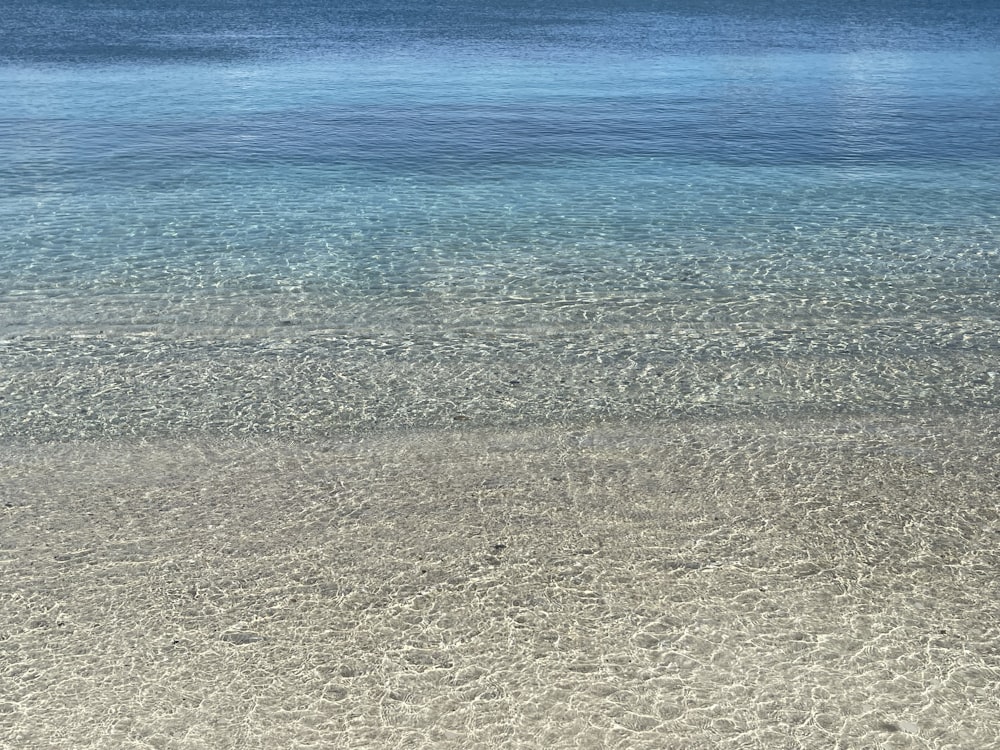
point(306, 218)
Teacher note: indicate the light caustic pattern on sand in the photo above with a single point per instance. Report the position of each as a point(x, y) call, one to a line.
point(731, 585)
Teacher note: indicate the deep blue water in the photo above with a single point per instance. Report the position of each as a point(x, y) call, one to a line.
point(745, 188)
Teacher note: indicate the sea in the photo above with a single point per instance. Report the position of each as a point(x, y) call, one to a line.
point(500, 374)
point(317, 217)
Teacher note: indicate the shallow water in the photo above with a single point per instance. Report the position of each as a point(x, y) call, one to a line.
point(438, 375)
point(731, 584)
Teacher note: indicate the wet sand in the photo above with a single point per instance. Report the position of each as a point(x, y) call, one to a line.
point(731, 583)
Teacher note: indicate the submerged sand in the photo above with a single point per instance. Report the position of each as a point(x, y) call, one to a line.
point(713, 584)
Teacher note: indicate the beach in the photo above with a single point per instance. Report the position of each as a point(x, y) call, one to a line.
point(702, 584)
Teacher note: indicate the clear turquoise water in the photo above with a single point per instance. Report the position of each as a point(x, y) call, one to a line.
point(272, 217)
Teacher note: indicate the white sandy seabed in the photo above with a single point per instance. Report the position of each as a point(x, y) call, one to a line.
point(736, 583)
